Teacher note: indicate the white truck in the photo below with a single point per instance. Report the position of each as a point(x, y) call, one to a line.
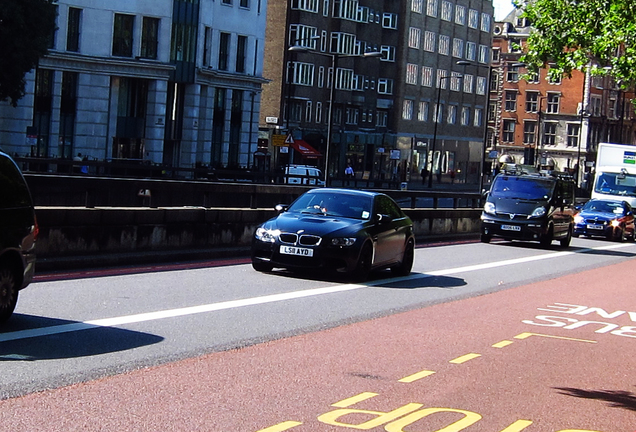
point(615, 176)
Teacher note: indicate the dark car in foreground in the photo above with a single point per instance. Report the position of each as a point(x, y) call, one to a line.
point(524, 205)
point(344, 230)
point(611, 219)
point(18, 232)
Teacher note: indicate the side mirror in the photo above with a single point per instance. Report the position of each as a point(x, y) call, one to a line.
point(281, 208)
point(383, 218)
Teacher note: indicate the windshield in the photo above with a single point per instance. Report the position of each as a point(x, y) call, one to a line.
point(522, 188)
point(604, 207)
point(616, 184)
point(349, 206)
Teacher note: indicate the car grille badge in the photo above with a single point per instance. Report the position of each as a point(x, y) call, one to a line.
point(512, 215)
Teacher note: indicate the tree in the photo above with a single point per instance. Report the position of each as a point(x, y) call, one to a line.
point(26, 28)
point(579, 34)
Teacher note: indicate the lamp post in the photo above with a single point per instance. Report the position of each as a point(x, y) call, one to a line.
point(334, 59)
point(436, 120)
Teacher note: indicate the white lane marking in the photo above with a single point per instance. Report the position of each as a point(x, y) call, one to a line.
point(233, 304)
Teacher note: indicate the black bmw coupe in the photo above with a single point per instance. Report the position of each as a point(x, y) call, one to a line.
point(344, 230)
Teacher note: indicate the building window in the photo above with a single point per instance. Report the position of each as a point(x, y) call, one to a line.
point(439, 113)
point(553, 103)
point(508, 131)
point(458, 47)
point(447, 10)
point(241, 54)
point(573, 134)
point(492, 111)
point(123, 35)
point(385, 86)
point(308, 109)
point(484, 54)
point(302, 35)
point(549, 133)
point(465, 116)
point(513, 73)
point(226, 2)
point(429, 41)
point(422, 114)
point(388, 53)
point(389, 20)
point(473, 18)
point(407, 110)
point(481, 86)
point(301, 73)
point(73, 29)
point(351, 116)
point(511, 100)
point(224, 50)
point(441, 81)
point(471, 51)
point(451, 115)
point(485, 22)
point(68, 109)
point(149, 38)
point(306, 5)
point(529, 132)
point(411, 73)
point(478, 120)
point(431, 8)
point(414, 37)
point(456, 81)
point(468, 83)
point(244, 3)
point(318, 112)
point(427, 76)
point(416, 6)
point(381, 118)
point(460, 15)
point(444, 45)
point(532, 102)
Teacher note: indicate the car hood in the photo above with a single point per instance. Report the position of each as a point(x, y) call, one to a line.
point(313, 224)
point(601, 216)
point(517, 206)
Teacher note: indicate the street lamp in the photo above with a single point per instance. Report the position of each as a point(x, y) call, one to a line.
point(334, 58)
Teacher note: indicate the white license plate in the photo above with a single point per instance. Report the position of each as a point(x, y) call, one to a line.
point(292, 250)
point(511, 228)
point(595, 227)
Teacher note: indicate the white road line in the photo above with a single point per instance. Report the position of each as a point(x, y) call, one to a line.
point(233, 304)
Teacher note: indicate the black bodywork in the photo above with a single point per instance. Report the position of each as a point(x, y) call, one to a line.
point(535, 207)
point(613, 220)
point(18, 232)
point(344, 230)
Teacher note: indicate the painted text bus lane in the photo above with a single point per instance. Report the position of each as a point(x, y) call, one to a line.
point(351, 413)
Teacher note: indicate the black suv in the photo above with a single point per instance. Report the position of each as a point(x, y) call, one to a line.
point(18, 231)
point(524, 205)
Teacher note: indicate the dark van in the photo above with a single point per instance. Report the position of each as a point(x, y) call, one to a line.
point(18, 232)
point(530, 206)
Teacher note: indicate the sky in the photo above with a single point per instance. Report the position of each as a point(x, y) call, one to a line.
point(502, 8)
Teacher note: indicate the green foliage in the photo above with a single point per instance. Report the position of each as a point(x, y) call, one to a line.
point(26, 27)
point(576, 34)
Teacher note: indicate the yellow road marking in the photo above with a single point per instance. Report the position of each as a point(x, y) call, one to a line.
point(281, 426)
point(354, 400)
point(517, 426)
point(465, 358)
point(527, 335)
point(416, 376)
point(502, 344)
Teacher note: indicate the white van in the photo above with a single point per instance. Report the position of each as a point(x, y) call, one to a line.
point(303, 175)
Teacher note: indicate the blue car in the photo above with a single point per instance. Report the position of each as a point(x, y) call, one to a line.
point(613, 220)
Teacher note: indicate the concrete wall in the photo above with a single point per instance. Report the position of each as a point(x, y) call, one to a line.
point(84, 237)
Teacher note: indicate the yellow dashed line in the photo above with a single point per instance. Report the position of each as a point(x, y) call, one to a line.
point(527, 335)
point(416, 376)
point(465, 358)
point(281, 426)
point(354, 400)
point(502, 344)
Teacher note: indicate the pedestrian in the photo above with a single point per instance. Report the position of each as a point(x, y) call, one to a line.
point(424, 174)
point(349, 173)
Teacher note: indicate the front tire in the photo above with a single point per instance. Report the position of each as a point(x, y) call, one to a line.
point(485, 238)
point(8, 292)
point(404, 269)
point(565, 242)
point(363, 266)
point(546, 240)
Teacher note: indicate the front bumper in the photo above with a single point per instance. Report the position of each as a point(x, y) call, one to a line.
point(343, 259)
point(513, 229)
point(608, 231)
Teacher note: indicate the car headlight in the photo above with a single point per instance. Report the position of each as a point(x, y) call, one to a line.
point(489, 208)
point(615, 223)
point(538, 212)
point(266, 235)
point(343, 241)
point(578, 219)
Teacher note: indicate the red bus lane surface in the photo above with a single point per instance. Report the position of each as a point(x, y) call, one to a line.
point(554, 356)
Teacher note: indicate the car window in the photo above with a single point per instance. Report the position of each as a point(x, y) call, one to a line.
point(386, 206)
point(350, 206)
point(13, 190)
point(522, 188)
